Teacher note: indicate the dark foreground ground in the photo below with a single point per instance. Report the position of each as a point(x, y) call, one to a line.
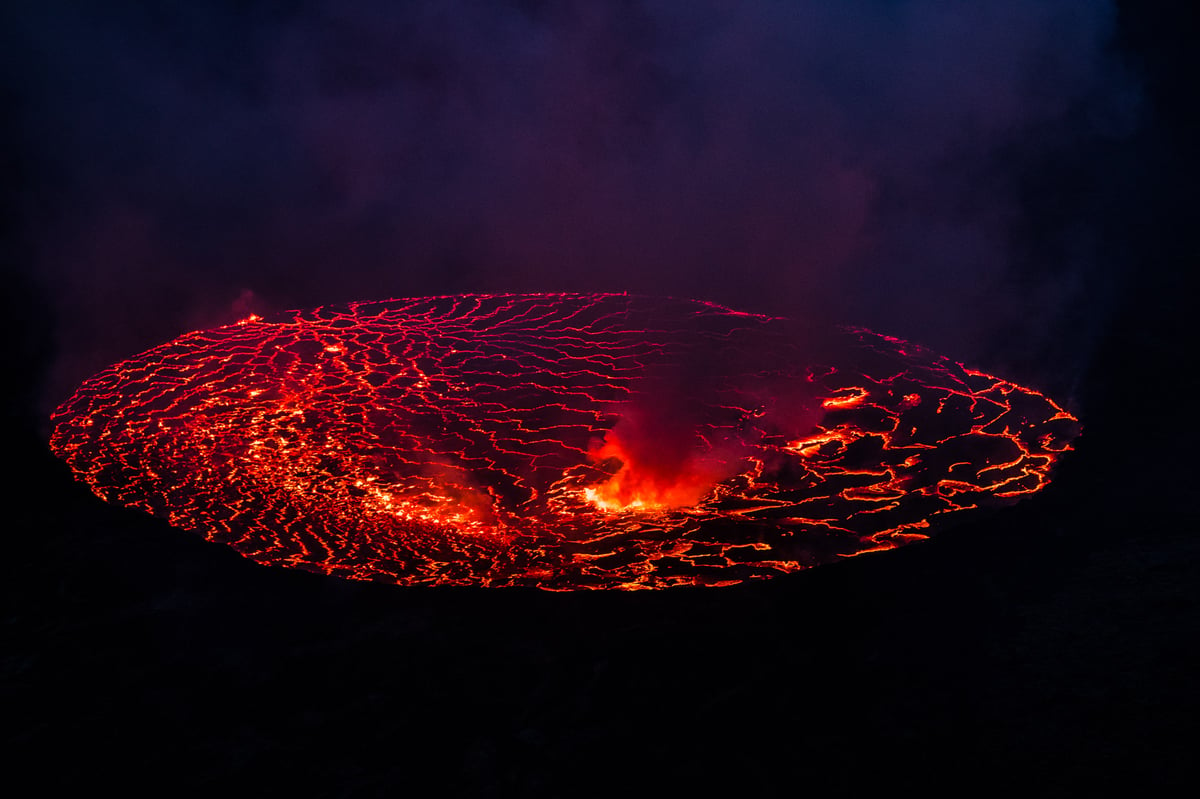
point(1051, 647)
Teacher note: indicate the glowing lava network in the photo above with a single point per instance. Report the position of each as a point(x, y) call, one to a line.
point(559, 441)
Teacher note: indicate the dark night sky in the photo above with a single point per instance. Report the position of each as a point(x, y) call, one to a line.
point(1009, 183)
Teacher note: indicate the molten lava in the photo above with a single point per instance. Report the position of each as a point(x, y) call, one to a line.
point(558, 441)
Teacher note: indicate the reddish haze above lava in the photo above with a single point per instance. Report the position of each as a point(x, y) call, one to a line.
point(559, 441)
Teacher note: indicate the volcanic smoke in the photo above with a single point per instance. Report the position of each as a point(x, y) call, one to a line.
point(563, 441)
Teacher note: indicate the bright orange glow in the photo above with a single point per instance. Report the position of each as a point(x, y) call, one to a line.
point(558, 441)
point(637, 485)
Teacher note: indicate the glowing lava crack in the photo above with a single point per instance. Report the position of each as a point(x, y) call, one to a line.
point(558, 441)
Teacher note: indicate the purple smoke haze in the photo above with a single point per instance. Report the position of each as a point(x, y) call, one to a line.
point(883, 164)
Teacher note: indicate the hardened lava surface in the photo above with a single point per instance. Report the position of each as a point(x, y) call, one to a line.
point(559, 441)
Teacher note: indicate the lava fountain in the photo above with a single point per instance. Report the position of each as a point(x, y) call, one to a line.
point(564, 441)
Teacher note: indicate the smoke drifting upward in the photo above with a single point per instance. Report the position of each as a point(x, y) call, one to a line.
point(868, 163)
point(673, 442)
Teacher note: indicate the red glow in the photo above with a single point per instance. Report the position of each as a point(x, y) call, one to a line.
point(644, 482)
point(558, 441)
